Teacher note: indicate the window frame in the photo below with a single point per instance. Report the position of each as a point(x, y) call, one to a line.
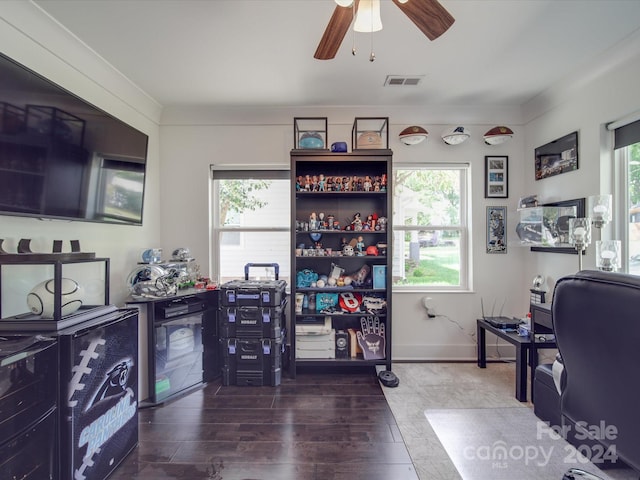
point(625, 133)
point(464, 228)
point(238, 172)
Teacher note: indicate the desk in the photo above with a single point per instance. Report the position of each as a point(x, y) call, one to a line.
point(525, 349)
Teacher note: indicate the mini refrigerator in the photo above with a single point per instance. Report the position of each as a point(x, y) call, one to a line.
point(99, 393)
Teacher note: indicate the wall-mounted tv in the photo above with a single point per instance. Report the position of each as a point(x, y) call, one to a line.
point(61, 157)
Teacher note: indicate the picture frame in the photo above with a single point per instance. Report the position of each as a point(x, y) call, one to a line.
point(496, 229)
point(496, 176)
point(564, 208)
point(557, 157)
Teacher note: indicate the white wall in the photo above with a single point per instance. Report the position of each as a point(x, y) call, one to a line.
point(601, 93)
point(192, 139)
point(586, 102)
point(31, 38)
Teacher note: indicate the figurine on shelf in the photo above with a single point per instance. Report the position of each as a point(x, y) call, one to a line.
point(313, 222)
point(314, 183)
point(367, 184)
point(337, 184)
point(360, 245)
point(329, 185)
point(321, 223)
point(383, 183)
point(356, 224)
point(299, 183)
point(346, 184)
point(307, 183)
point(321, 183)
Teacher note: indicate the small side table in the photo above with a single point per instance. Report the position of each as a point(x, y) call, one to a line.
point(525, 349)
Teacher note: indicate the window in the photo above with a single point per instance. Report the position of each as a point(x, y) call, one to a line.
point(627, 154)
point(251, 221)
point(430, 227)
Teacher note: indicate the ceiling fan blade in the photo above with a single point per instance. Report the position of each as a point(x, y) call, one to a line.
point(335, 32)
point(428, 15)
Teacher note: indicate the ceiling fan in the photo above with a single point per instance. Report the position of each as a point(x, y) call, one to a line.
point(428, 15)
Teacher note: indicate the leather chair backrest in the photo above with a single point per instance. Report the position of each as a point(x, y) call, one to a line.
point(596, 319)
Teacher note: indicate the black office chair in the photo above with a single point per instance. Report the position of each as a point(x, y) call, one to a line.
point(596, 320)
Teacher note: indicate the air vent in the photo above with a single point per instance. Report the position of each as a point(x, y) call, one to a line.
point(401, 80)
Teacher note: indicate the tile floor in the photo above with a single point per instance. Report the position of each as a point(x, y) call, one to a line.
point(444, 385)
point(459, 389)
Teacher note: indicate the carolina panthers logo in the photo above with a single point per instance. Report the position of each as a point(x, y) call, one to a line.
point(115, 382)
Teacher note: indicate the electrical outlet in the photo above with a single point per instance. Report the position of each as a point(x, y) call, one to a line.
point(427, 303)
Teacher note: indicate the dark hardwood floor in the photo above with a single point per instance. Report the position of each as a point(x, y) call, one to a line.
point(319, 426)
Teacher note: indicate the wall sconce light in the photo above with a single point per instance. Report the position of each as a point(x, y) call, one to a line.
point(608, 255)
point(413, 135)
point(498, 135)
point(580, 236)
point(600, 209)
point(455, 135)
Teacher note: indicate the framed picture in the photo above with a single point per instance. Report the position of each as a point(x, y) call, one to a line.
point(559, 156)
point(556, 223)
point(496, 229)
point(496, 177)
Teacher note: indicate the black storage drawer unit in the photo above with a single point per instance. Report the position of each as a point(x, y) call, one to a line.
point(251, 362)
point(251, 322)
point(28, 407)
point(28, 381)
point(32, 455)
point(253, 293)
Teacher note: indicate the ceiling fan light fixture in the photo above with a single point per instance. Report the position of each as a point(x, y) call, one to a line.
point(455, 135)
point(413, 135)
point(344, 3)
point(368, 16)
point(498, 135)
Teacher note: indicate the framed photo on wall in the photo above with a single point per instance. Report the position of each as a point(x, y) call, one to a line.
point(496, 177)
point(559, 156)
point(496, 229)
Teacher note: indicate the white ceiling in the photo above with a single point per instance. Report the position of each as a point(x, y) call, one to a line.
point(260, 52)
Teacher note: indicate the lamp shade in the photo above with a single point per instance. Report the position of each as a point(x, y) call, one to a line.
point(455, 135)
point(498, 135)
point(608, 258)
point(600, 209)
point(413, 135)
point(368, 16)
point(580, 232)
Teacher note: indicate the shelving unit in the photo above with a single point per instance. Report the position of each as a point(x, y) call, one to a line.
point(319, 218)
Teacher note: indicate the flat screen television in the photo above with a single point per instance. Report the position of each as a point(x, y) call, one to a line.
point(61, 157)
